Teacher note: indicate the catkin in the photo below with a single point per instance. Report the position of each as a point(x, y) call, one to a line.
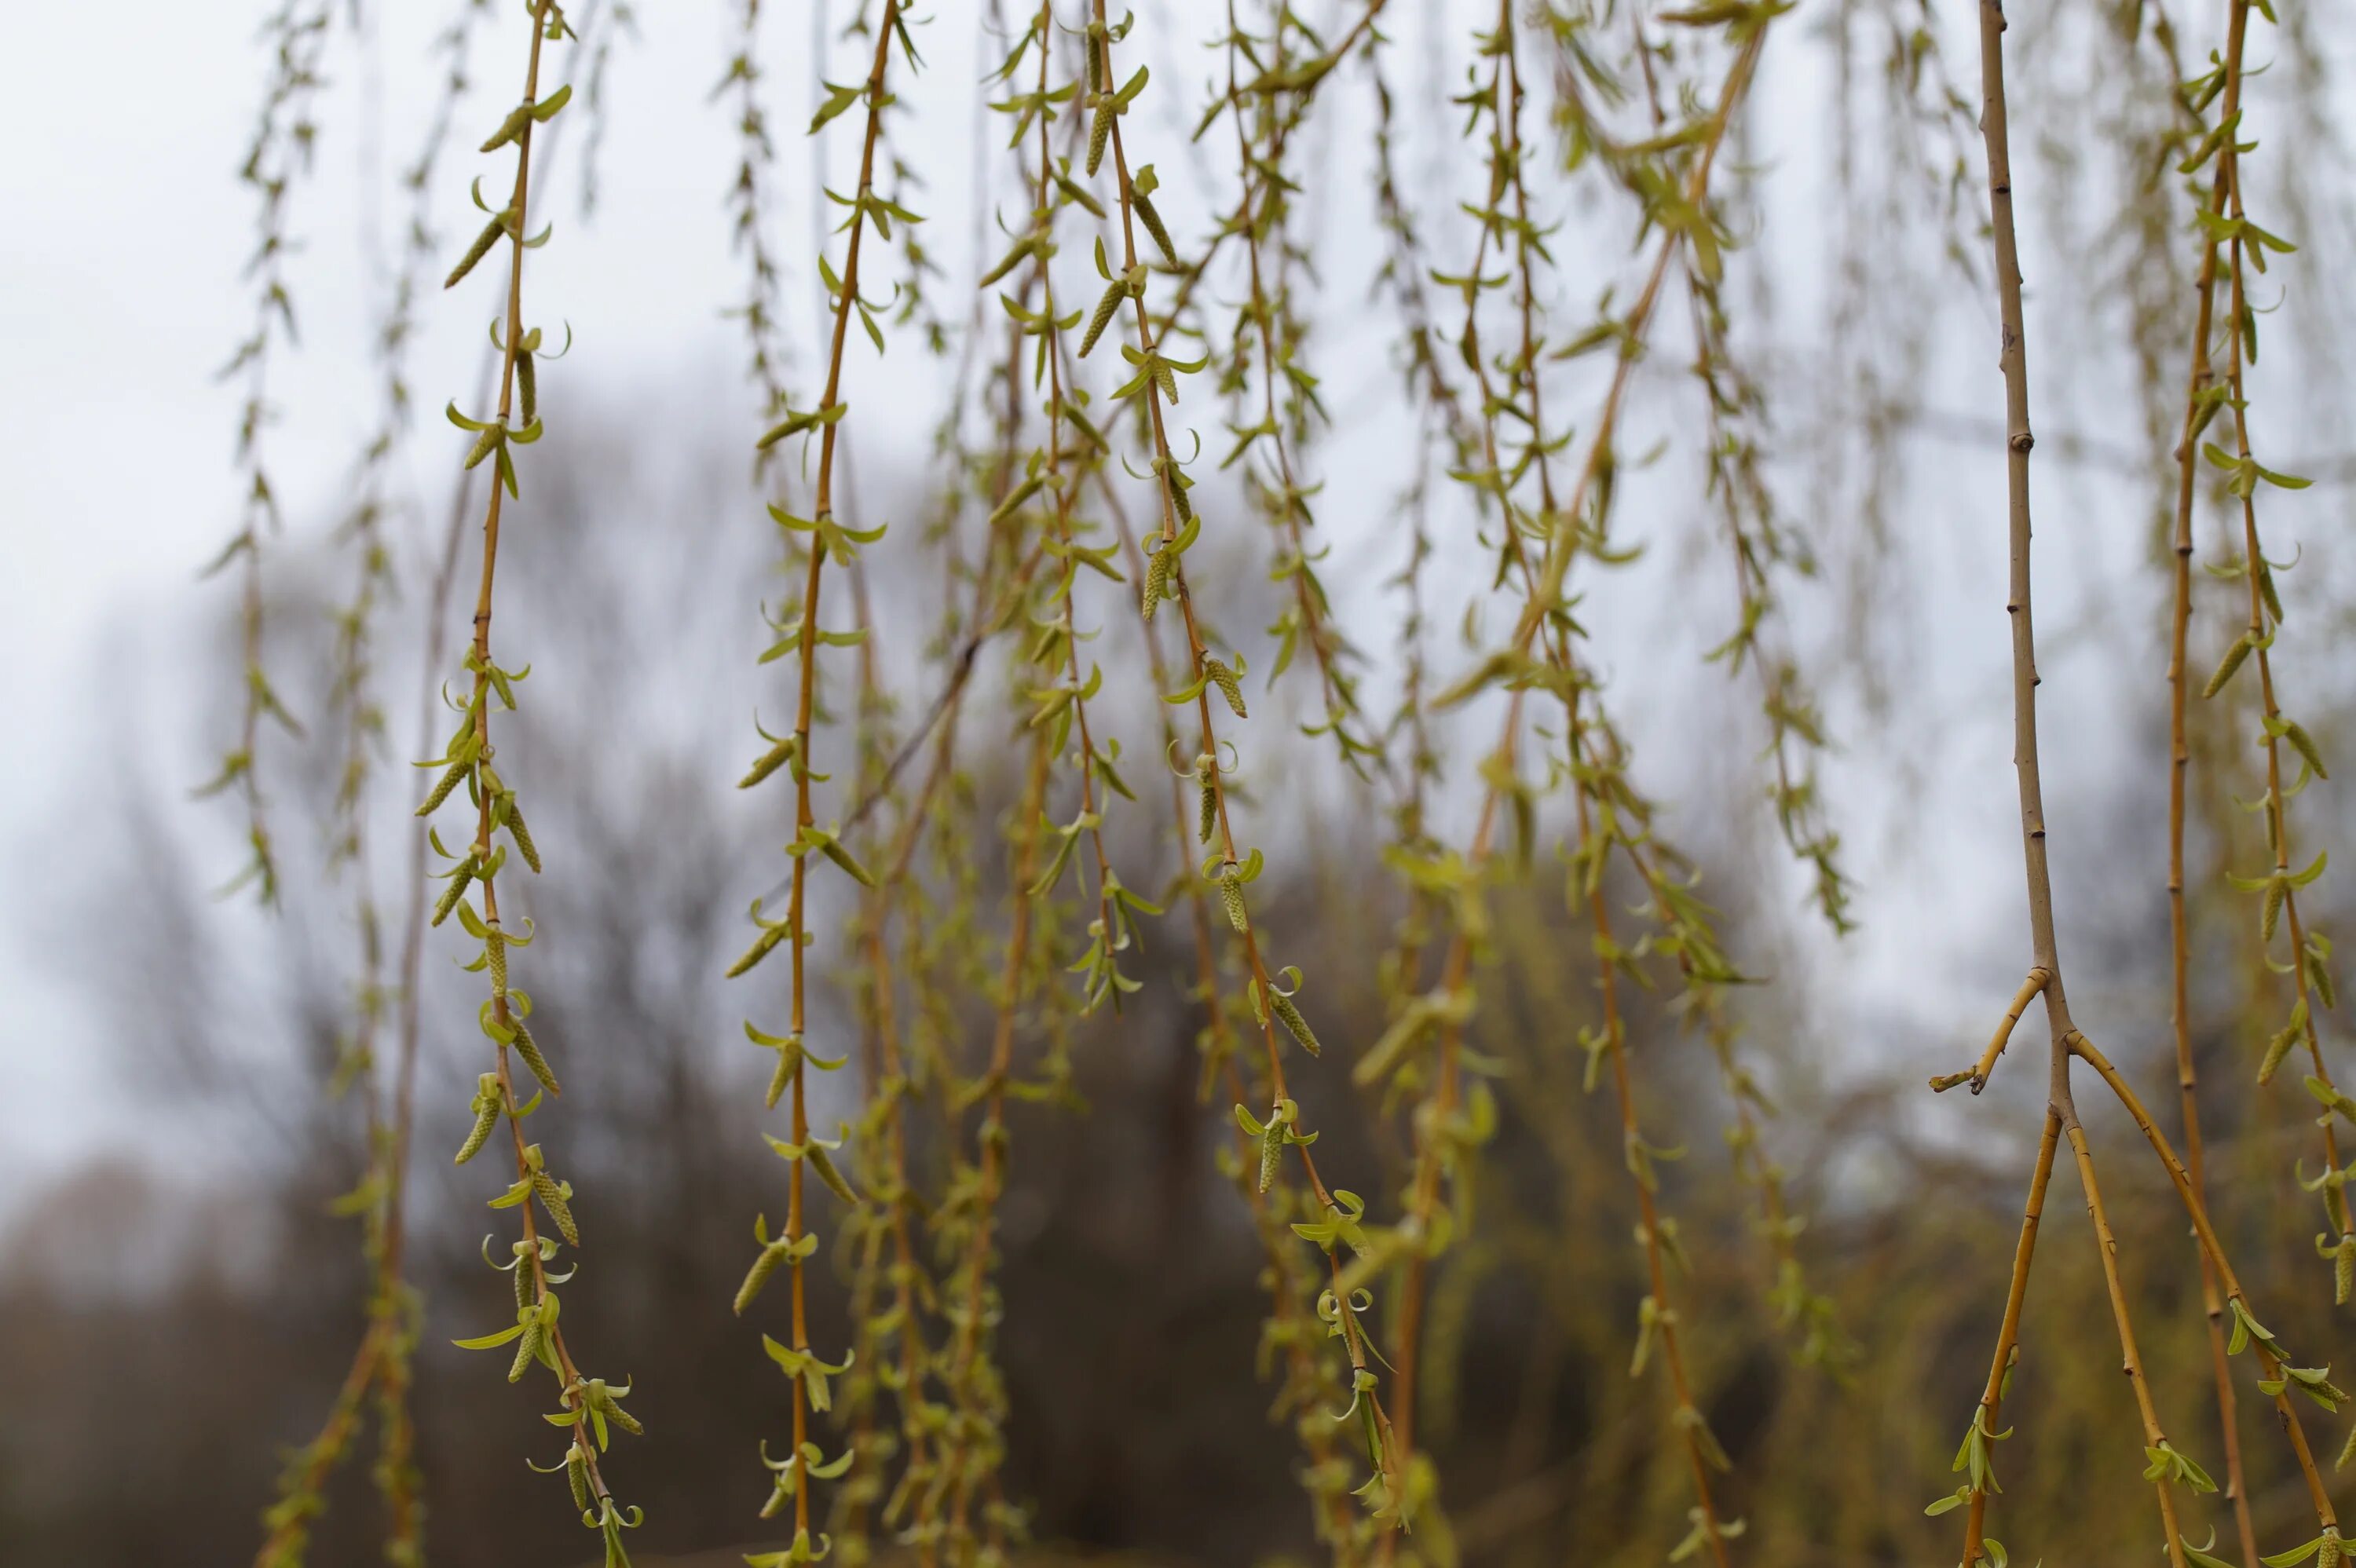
point(1100, 130)
point(477, 251)
point(776, 757)
point(604, 1400)
point(2304, 745)
point(1015, 499)
point(1288, 1012)
point(789, 1056)
point(1225, 679)
point(770, 936)
point(2225, 668)
point(576, 1471)
point(823, 1163)
point(1114, 293)
point(1157, 580)
point(2276, 1049)
point(527, 1349)
point(459, 877)
point(445, 784)
point(486, 1116)
point(521, 833)
point(1231, 897)
point(528, 1048)
point(509, 128)
point(764, 1263)
point(554, 1197)
point(1153, 226)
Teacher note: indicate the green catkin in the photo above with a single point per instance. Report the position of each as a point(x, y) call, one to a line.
point(1231, 899)
point(770, 936)
point(1077, 193)
point(2277, 1047)
point(448, 781)
point(1142, 187)
point(1099, 131)
point(2304, 745)
point(528, 1048)
point(1206, 787)
point(527, 384)
point(1229, 687)
point(776, 757)
point(790, 1056)
point(487, 1106)
point(2226, 668)
point(1178, 501)
point(555, 1197)
point(462, 874)
point(1157, 580)
point(509, 128)
point(765, 1265)
point(576, 1472)
point(1288, 1012)
point(1116, 291)
point(823, 1163)
point(477, 251)
point(527, 1352)
point(1017, 499)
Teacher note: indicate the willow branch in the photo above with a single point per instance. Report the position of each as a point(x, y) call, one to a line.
point(1543, 601)
point(2200, 379)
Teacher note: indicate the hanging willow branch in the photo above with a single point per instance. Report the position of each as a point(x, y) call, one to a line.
point(2173, 1473)
point(827, 539)
point(2198, 407)
point(1540, 657)
point(2227, 226)
point(1310, 1387)
point(1154, 386)
point(591, 1406)
point(1264, 108)
point(279, 156)
point(381, 1364)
